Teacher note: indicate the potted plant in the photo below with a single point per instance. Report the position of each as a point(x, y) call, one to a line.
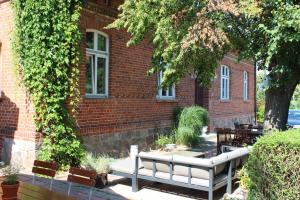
point(100, 164)
point(10, 185)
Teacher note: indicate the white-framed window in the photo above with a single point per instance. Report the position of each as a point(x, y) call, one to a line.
point(225, 83)
point(97, 62)
point(245, 86)
point(165, 93)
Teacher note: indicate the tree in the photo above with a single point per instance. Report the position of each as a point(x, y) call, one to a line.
point(191, 36)
point(186, 35)
point(272, 37)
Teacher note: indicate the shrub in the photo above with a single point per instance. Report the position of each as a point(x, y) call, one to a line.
point(100, 164)
point(192, 119)
point(260, 114)
point(274, 167)
point(163, 140)
point(11, 174)
point(176, 116)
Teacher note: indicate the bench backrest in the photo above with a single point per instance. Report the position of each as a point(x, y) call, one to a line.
point(82, 176)
point(44, 168)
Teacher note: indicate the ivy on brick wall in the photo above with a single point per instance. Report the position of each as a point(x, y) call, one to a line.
point(46, 47)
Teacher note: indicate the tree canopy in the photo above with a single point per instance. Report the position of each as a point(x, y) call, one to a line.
point(188, 36)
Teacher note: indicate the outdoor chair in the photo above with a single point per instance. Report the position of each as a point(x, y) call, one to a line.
point(224, 137)
point(82, 176)
point(245, 126)
point(241, 137)
point(44, 168)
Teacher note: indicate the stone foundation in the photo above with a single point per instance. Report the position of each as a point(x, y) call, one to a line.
point(229, 122)
point(118, 144)
point(20, 152)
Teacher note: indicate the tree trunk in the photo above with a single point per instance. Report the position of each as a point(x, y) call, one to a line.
point(277, 105)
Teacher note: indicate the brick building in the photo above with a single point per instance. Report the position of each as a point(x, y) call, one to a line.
point(119, 104)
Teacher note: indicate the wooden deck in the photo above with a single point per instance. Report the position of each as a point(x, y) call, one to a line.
point(31, 192)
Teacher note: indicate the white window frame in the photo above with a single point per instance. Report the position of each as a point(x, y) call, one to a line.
point(160, 89)
point(225, 78)
point(246, 86)
point(98, 54)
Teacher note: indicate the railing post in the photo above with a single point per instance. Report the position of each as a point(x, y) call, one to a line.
point(229, 178)
point(211, 184)
point(135, 175)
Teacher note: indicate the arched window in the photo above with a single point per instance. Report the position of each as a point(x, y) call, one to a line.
point(97, 62)
point(225, 82)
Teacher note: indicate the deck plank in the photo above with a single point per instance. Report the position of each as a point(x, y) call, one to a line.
point(31, 192)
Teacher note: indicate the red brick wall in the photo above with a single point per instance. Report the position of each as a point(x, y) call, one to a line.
point(224, 113)
point(132, 102)
point(15, 111)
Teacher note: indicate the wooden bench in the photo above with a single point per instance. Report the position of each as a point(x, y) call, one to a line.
point(44, 168)
point(82, 176)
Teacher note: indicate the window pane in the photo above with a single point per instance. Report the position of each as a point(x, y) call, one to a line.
point(101, 72)
point(101, 43)
point(164, 93)
point(89, 72)
point(171, 91)
point(90, 40)
point(227, 89)
point(223, 88)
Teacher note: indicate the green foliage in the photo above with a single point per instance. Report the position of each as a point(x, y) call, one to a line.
point(192, 119)
point(176, 115)
point(260, 113)
point(295, 102)
point(100, 163)
point(271, 37)
point(244, 178)
point(46, 46)
point(167, 23)
point(11, 174)
point(260, 96)
point(163, 140)
point(274, 167)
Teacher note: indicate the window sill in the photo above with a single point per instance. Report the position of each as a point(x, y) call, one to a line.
point(167, 100)
point(225, 100)
point(96, 96)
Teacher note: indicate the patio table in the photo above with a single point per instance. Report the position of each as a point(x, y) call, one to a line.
point(227, 136)
point(32, 192)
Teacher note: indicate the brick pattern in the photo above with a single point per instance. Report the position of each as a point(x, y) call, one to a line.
point(16, 113)
point(236, 109)
point(132, 102)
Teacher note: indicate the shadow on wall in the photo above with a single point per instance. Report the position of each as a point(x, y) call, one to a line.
point(9, 117)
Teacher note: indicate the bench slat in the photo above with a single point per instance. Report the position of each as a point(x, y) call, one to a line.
point(43, 171)
point(81, 180)
point(83, 172)
point(43, 164)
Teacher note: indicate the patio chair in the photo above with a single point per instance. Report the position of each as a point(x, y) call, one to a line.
point(241, 137)
point(82, 176)
point(224, 137)
point(44, 168)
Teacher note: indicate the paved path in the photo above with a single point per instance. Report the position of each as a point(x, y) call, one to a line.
point(120, 189)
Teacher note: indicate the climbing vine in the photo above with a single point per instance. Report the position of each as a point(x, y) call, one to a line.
point(46, 43)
